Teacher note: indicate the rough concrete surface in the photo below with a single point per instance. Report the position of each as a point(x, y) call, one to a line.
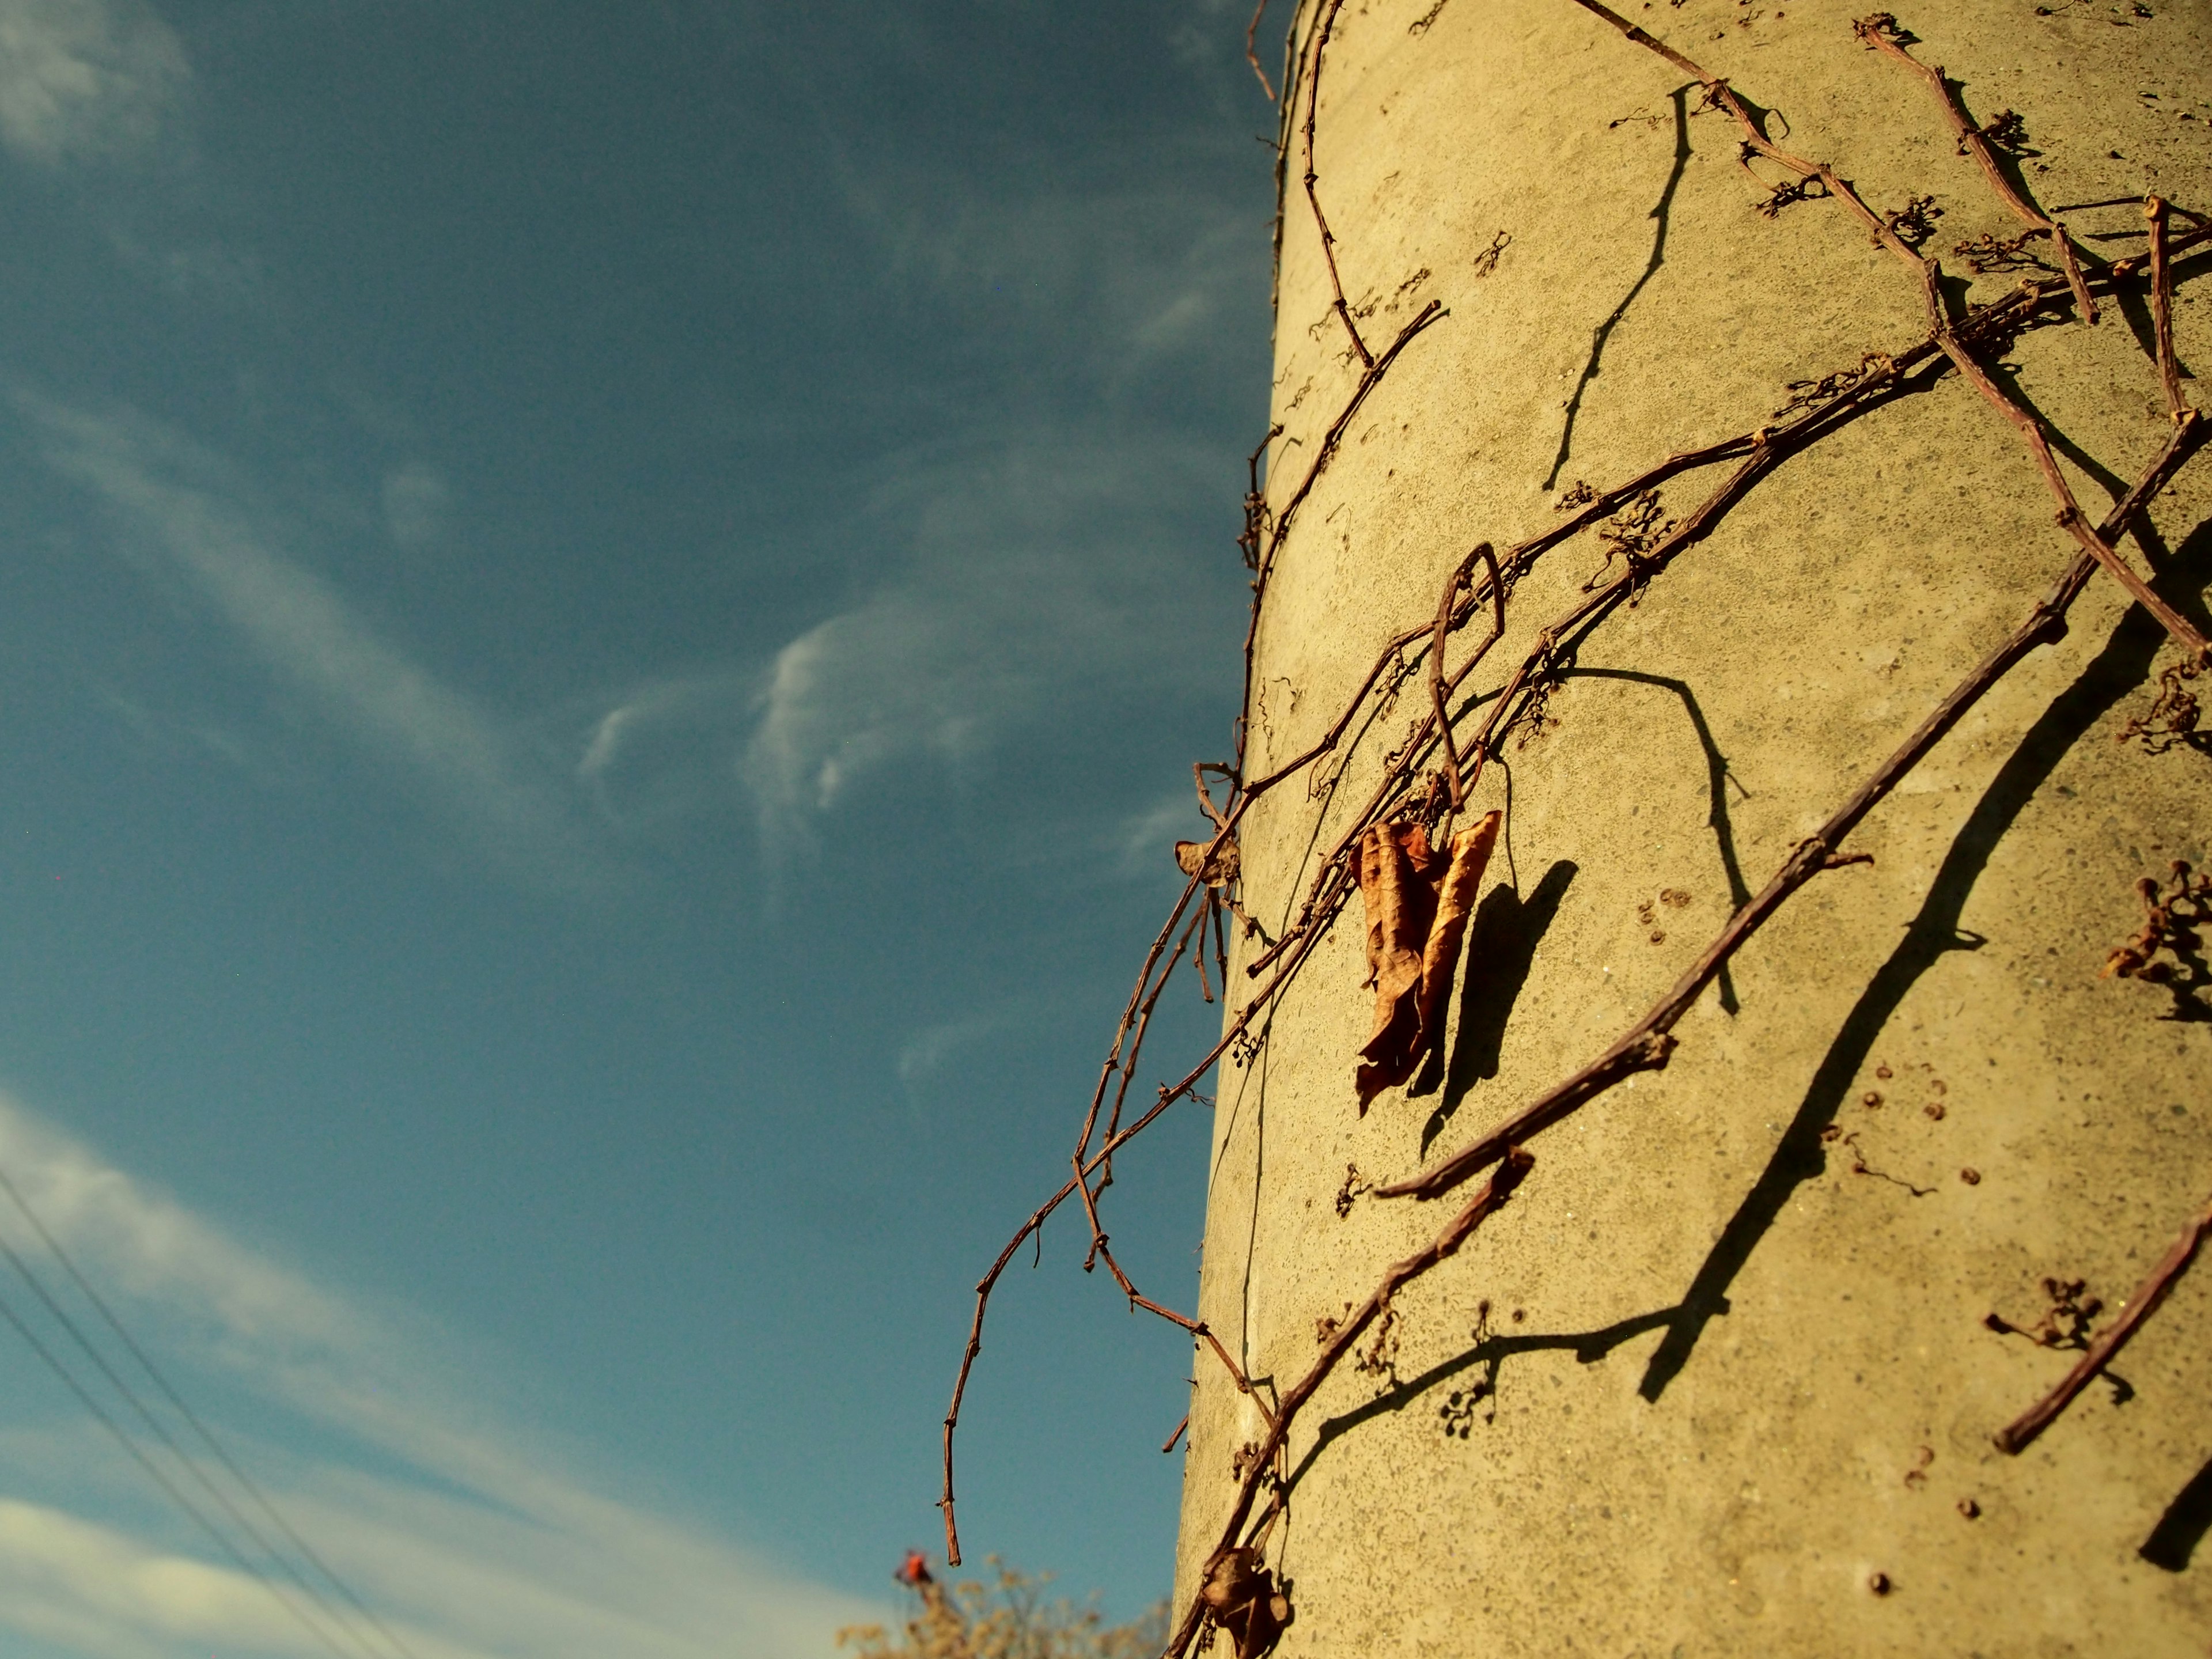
point(1709, 1379)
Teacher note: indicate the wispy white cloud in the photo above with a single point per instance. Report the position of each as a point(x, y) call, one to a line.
point(469, 1542)
point(1037, 573)
point(190, 509)
point(80, 79)
point(203, 270)
point(1208, 32)
point(1143, 844)
point(1128, 279)
point(170, 731)
point(417, 499)
point(923, 1054)
point(1039, 561)
point(663, 751)
point(1025, 574)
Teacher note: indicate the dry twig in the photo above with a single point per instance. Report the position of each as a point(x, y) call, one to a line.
point(1646, 1045)
point(1251, 52)
point(2162, 307)
point(1327, 240)
point(2017, 1436)
point(1880, 31)
point(1486, 1203)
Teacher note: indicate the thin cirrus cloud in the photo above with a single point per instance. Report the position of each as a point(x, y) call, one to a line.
point(1031, 573)
point(174, 499)
point(83, 80)
point(1125, 280)
point(1039, 570)
point(467, 1543)
point(1034, 568)
point(1034, 561)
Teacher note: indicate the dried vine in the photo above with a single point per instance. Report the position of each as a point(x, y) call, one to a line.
point(2017, 1436)
point(1646, 1045)
point(1482, 581)
point(1881, 32)
point(1320, 220)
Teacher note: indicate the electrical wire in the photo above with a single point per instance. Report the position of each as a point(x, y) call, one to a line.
point(207, 1437)
point(153, 1472)
point(357, 1645)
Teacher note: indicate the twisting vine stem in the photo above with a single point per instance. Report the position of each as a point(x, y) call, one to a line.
point(1646, 1045)
point(2162, 308)
point(1880, 31)
point(1251, 51)
point(1483, 580)
point(1930, 273)
point(1313, 196)
point(2017, 1436)
point(1484, 1204)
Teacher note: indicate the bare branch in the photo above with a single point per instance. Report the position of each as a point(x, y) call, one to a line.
point(2017, 1436)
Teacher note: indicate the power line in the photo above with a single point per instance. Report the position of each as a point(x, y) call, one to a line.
point(160, 1430)
point(206, 1435)
point(163, 1480)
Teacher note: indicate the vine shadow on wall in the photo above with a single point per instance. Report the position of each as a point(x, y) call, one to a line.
point(2120, 668)
point(1501, 951)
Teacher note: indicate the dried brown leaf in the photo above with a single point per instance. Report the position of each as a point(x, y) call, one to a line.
point(1218, 871)
point(1417, 903)
point(1242, 1597)
point(1394, 859)
point(1470, 855)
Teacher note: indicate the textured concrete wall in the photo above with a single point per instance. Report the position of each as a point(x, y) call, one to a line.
point(1733, 1378)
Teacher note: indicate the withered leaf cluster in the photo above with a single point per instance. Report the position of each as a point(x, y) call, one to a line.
point(2172, 718)
point(2170, 923)
point(1417, 900)
point(1216, 871)
point(1242, 1597)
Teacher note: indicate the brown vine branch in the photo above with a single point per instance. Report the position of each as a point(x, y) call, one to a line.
point(1758, 450)
point(1133, 1018)
point(1331, 884)
point(1880, 31)
point(1114, 1061)
point(983, 1288)
point(1144, 1024)
point(1112, 1143)
point(2175, 246)
point(1460, 578)
point(1327, 240)
point(2017, 1436)
point(1256, 502)
point(1639, 38)
point(1280, 526)
point(1520, 558)
point(2161, 305)
point(2070, 516)
point(1773, 446)
point(1285, 112)
point(1646, 1045)
point(1251, 51)
point(1236, 1029)
point(1816, 413)
point(1885, 232)
point(1197, 1328)
point(1486, 1203)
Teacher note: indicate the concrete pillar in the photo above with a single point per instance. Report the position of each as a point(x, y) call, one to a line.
point(1719, 1377)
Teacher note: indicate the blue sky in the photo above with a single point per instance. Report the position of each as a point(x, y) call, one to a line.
point(605, 613)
